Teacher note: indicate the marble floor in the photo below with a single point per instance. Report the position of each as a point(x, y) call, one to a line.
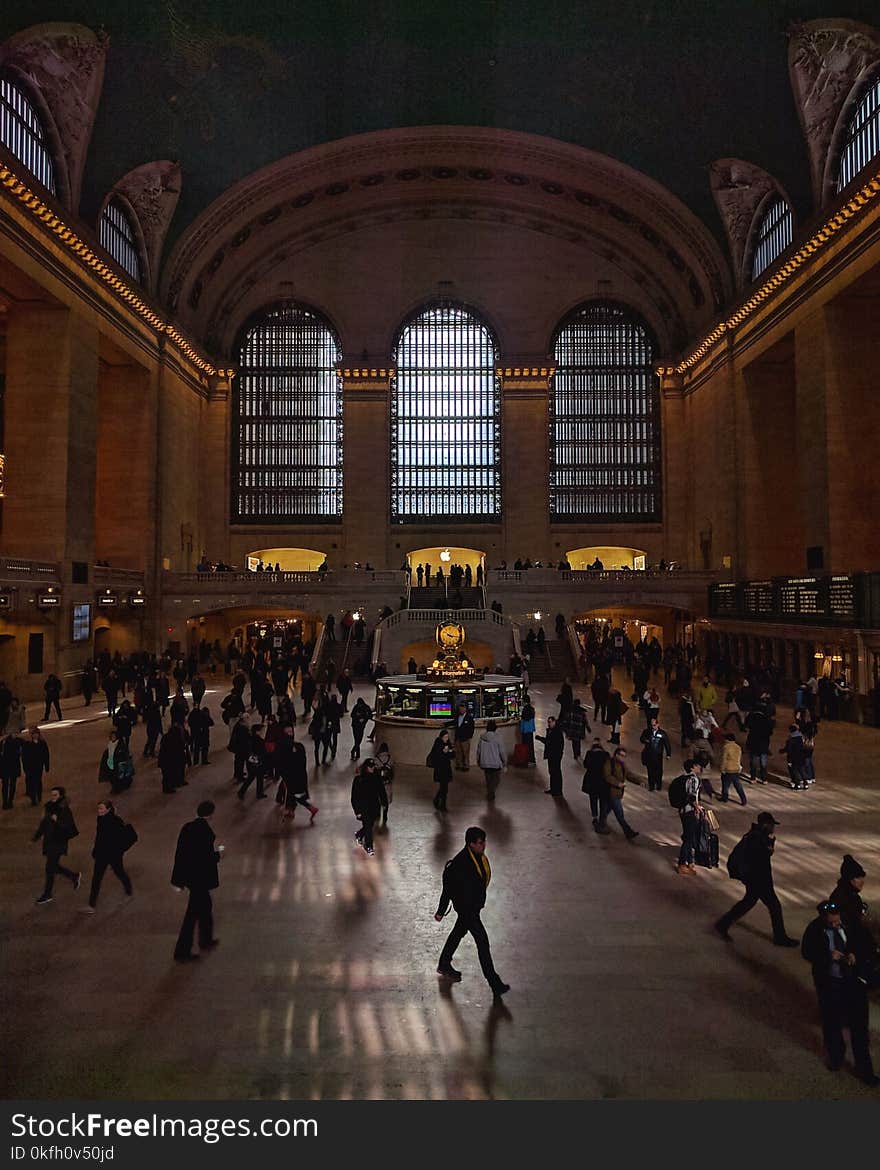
point(324, 985)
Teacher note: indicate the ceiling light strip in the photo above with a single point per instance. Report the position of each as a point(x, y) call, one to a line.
point(836, 223)
point(111, 279)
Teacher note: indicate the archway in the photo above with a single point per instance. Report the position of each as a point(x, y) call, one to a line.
point(445, 555)
point(610, 556)
point(289, 560)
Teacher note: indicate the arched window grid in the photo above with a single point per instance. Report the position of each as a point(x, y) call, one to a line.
point(775, 233)
point(445, 410)
point(117, 236)
point(22, 133)
point(605, 462)
point(862, 143)
point(287, 421)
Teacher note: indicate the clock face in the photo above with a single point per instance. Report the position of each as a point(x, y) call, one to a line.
point(450, 636)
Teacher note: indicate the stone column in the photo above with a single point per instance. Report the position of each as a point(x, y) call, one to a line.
point(125, 495)
point(214, 487)
point(366, 392)
point(51, 416)
point(809, 437)
point(51, 429)
point(525, 460)
point(676, 466)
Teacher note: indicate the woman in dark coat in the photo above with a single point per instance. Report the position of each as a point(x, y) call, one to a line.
point(240, 746)
point(111, 841)
point(360, 717)
point(440, 757)
point(255, 764)
point(318, 727)
point(172, 759)
point(293, 774)
point(333, 714)
point(35, 761)
point(115, 767)
point(368, 798)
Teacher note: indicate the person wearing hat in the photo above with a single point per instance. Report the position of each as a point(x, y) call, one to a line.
point(847, 894)
point(756, 850)
point(838, 957)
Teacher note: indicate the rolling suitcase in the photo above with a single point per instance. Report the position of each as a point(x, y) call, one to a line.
point(706, 852)
point(520, 755)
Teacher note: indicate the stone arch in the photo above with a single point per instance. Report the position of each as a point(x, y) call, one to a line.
point(486, 184)
point(65, 62)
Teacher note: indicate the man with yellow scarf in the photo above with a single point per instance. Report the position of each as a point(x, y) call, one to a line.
point(465, 879)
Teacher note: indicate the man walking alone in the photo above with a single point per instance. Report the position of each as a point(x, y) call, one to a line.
point(465, 881)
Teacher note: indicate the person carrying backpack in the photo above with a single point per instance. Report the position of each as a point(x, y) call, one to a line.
point(749, 863)
point(684, 795)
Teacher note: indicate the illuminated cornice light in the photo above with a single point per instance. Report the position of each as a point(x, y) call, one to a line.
point(854, 205)
point(72, 241)
point(366, 372)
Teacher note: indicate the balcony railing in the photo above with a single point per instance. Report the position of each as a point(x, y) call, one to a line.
point(21, 569)
point(821, 600)
point(349, 579)
point(110, 575)
point(635, 578)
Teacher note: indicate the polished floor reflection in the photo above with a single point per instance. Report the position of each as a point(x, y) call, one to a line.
point(324, 982)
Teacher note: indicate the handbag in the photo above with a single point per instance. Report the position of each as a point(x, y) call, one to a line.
point(128, 837)
point(711, 820)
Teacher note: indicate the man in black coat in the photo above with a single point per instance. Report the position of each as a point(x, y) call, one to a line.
point(368, 799)
point(758, 845)
point(759, 731)
point(554, 748)
point(200, 724)
point(838, 956)
point(52, 688)
point(657, 744)
point(465, 880)
point(594, 784)
point(463, 733)
point(195, 869)
point(57, 829)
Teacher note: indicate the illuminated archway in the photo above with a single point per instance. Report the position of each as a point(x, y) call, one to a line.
point(611, 556)
point(289, 560)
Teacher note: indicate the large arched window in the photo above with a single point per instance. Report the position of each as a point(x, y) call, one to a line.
point(287, 421)
point(862, 142)
point(773, 235)
point(445, 444)
point(604, 418)
point(117, 235)
point(22, 133)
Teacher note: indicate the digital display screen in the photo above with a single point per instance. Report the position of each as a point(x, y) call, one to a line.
point(82, 622)
point(439, 705)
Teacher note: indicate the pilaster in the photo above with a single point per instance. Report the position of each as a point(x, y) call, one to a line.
point(525, 438)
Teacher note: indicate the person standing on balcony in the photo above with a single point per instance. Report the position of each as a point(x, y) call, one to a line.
point(420, 572)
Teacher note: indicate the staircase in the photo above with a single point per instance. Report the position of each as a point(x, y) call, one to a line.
point(554, 664)
point(427, 598)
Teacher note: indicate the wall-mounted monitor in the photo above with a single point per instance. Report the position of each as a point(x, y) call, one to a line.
point(82, 622)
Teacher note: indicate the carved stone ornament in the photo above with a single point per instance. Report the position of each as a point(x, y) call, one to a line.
point(825, 58)
point(738, 189)
point(65, 62)
point(152, 190)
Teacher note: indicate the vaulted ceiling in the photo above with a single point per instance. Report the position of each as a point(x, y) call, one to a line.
point(227, 88)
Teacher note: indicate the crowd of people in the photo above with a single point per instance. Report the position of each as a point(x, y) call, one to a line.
point(261, 719)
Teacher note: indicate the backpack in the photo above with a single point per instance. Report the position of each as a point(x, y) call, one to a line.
point(128, 837)
point(678, 796)
point(737, 861)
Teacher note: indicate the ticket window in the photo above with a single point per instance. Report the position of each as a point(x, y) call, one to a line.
point(471, 698)
point(493, 703)
point(440, 704)
point(512, 702)
point(413, 703)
